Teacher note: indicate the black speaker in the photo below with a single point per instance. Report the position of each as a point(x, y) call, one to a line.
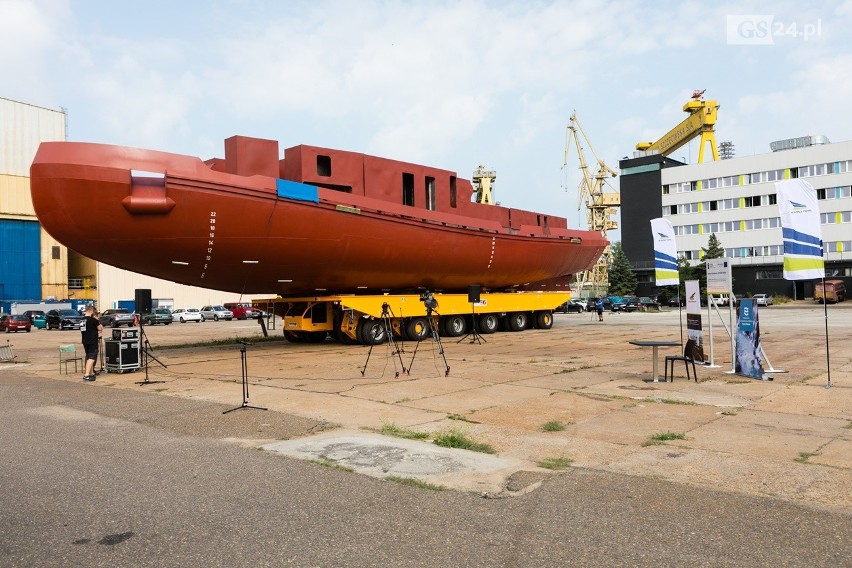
point(473, 293)
point(143, 301)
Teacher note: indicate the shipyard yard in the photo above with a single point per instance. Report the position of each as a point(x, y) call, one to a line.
point(790, 438)
point(761, 475)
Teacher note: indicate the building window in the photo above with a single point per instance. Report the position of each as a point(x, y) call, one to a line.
point(408, 189)
point(768, 275)
point(453, 192)
point(54, 251)
point(430, 193)
point(324, 166)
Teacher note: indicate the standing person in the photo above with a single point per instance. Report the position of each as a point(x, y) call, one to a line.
point(91, 330)
point(599, 307)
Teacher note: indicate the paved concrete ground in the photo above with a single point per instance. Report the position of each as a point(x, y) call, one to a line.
point(790, 438)
point(114, 477)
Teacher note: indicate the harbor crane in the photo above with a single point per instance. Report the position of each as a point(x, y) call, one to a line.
point(483, 180)
point(600, 198)
point(700, 122)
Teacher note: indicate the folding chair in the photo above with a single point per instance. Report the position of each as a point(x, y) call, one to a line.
point(689, 355)
point(68, 354)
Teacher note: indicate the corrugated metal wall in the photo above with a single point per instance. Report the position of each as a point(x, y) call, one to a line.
point(32, 264)
point(22, 128)
point(20, 252)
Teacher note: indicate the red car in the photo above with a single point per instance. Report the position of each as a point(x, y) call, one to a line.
point(16, 323)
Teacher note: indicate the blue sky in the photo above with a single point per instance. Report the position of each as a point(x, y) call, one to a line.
point(448, 84)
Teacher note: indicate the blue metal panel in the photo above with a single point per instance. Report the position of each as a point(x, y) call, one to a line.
point(20, 260)
point(298, 191)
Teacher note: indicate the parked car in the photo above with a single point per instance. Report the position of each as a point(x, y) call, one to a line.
point(762, 299)
point(159, 315)
point(15, 322)
point(62, 319)
point(647, 303)
point(216, 313)
point(591, 305)
point(572, 306)
point(39, 321)
point(115, 317)
point(629, 304)
point(721, 299)
point(31, 314)
point(243, 310)
point(676, 302)
point(184, 315)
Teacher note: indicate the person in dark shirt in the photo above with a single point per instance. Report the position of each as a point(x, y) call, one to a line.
point(91, 330)
point(599, 306)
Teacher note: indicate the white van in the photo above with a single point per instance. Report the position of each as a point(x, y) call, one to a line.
point(721, 299)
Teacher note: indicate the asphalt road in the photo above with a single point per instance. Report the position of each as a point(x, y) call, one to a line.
point(107, 477)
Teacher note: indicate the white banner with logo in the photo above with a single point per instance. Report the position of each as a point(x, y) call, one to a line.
point(800, 226)
point(694, 328)
point(665, 252)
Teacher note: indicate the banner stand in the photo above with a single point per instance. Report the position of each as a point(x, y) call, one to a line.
point(710, 302)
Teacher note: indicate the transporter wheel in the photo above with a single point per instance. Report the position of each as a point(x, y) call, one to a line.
point(313, 336)
point(417, 329)
point(453, 326)
point(516, 321)
point(543, 320)
point(343, 338)
point(371, 331)
point(292, 337)
point(488, 324)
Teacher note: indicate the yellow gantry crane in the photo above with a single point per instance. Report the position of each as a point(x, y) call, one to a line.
point(600, 199)
point(483, 180)
point(701, 121)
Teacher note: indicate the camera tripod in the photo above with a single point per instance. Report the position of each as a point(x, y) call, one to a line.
point(245, 403)
point(476, 337)
point(146, 353)
point(394, 350)
point(436, 338)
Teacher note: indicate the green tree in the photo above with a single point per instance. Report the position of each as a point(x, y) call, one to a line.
point(714, 248)
point(622, 279)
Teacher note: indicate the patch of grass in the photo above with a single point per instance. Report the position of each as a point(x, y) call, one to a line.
point(552, 426)
point(729, 413)
point(228, 341)
point(849, 426)
point(559, 463)
point(663, 437)
point(458, 439)
point(460, 418)
point(415, 483)
point(389, 429)
point(805, 456)
point(331, 464)
point(669, 401)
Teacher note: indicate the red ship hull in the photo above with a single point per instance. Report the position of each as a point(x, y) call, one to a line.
point(180, 219)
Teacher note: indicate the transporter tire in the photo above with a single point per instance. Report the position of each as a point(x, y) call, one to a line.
point(487, 324)
point(371, 331)
point(313, 336)
point(453, 326)
point(543, 320)
point(292, 337)
point(417, 328)
point(517, 321)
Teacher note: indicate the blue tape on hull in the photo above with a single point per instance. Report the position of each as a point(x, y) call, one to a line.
point(298, 191)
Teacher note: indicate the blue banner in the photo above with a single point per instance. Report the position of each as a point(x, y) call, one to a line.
point(749, 356)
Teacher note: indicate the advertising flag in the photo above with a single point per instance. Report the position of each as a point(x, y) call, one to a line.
point(797, 205)
point(665, 252)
